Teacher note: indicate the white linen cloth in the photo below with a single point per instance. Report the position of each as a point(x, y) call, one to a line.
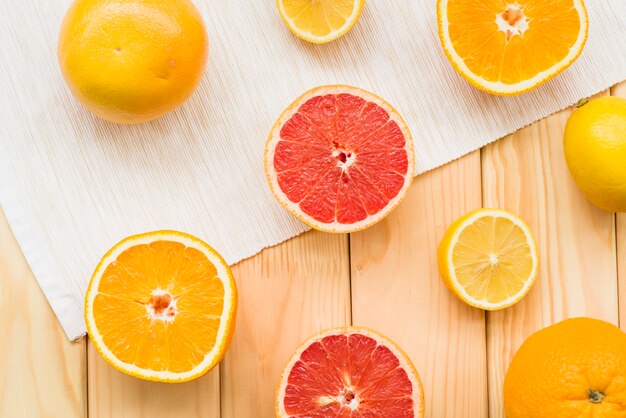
point(72, 185)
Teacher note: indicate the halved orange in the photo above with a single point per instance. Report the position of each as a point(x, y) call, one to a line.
point(507, 47)
point(320, 21)
point(161, 306)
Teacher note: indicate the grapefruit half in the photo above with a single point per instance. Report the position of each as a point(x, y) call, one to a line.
point(350, 372)
point(339, 158)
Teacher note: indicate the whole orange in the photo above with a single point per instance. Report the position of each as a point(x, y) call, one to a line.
point(573, 369)
point(130, 61)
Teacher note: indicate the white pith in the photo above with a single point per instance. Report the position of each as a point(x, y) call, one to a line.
point(336, 226)
point(493, 258)
point(350, 21)
point(516, 29)
point(163, 316)
point(350, 158)
point(500, 87)
point(405, 363)
point(224, 274)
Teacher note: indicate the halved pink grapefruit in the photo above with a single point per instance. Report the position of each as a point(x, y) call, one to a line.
point(339, 158)
point(350, 372)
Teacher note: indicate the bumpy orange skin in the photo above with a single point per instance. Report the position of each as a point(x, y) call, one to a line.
point(559, 369)
point(131, 61)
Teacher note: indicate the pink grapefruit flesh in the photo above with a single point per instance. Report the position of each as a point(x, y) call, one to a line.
point(350, 372)
point(339, 158)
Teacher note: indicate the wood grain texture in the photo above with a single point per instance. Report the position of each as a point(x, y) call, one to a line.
point(620, 225)
point(286, 294)
point(113, 394)
point(526, 174)
point(42, 374)
point(396, 289)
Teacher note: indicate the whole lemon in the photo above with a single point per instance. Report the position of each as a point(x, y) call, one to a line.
point(130, 61)
point(573, 369)
point(595, 151)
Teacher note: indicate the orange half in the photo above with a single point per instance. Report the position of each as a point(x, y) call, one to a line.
point(507, 47)
point(161, 306)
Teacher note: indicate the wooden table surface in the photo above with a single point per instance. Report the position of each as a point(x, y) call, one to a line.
point(385, 278)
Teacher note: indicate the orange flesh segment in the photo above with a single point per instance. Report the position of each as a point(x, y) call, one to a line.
point(339, 369)
point(341, 158)
point(494, 55)
point(126, 290)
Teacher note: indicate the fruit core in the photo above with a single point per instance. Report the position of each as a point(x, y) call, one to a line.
point(344, 158)
point(512, 21)
point(347, 399)
point(595, 396)
point(161, 306)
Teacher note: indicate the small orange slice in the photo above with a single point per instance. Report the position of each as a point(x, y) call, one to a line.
point(161, 306)
point(507, 47)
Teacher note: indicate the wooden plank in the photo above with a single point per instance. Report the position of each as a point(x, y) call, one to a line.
point(526, 174)
point(620, 90)
point(42, 374)
point(396, 289)
point(113, 394)
point(286, 293)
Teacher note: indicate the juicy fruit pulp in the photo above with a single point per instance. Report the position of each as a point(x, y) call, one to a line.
point(130, 61)
point(488, 259)
point(350, 373)
point(574, 369)
point(158, 308)
point(507, 47)
point(320, 21)
point(595, 151)
point(341, 159)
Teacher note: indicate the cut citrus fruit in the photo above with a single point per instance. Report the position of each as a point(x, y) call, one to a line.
point(488, 259)
point(161, 306)
point(350, 372)
point(320, 21)
point(509, 47)
point(339, 158)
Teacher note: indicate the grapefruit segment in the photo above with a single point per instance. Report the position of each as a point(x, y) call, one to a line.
point(349, 372)
point(339, 158)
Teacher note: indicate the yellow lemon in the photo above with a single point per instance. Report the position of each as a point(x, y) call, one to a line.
point(595, 151)
point(131, 61)
point(320, 21)
point(488, 259)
